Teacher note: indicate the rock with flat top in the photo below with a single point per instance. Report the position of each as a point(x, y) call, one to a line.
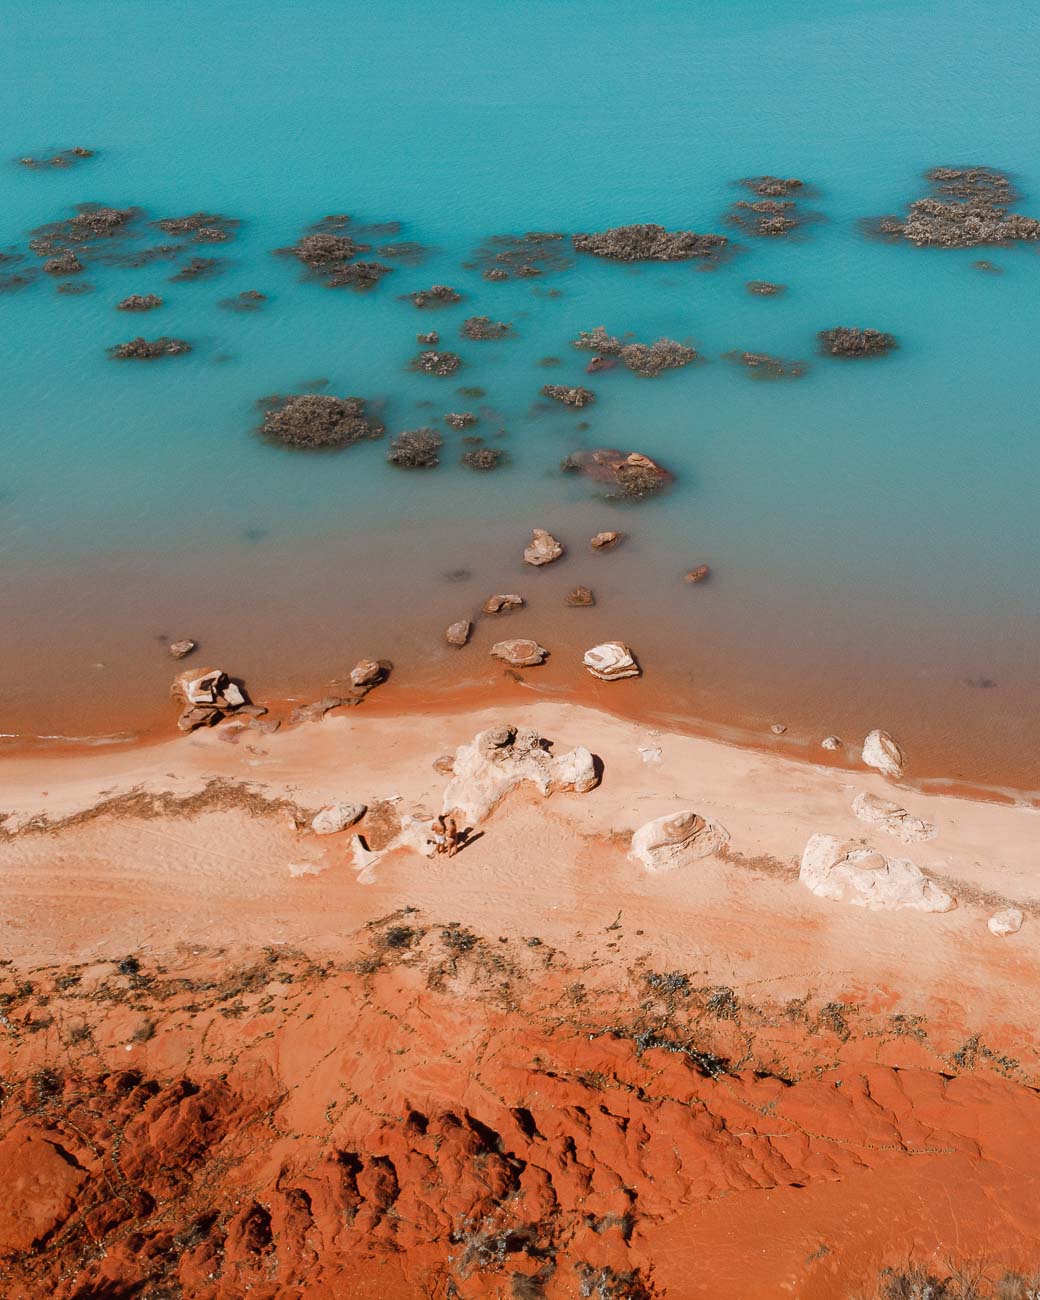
point(606, 540)
point(543, 549)
point(366, 672)
point(497, 604)
point(520, 652)
point(181, 649)
point(458, 633)
point(882, 752)
point(1003, 923)
point(850, 873)
point(207, 695)
point(337, 817)
point(611, 661)
point(502, 758)
point(892, 818)
point(676, 840)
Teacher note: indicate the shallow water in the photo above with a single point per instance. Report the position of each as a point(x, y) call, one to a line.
point(871, 527)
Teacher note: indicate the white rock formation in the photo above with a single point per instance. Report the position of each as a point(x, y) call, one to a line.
point(543, 548)
point(1008, 921)
point(893, 818)
point(337, 817)
point(676, 840)
point(610, 661)
point(499, 760)
point(882, 752)
point(848, 873)
point(831, 742)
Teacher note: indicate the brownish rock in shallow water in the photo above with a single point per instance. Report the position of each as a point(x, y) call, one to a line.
point(850, 341)
point(699, 573)
point(579, 596)
point(632, 473)
point(496, 604)
point(765, 289)
point(207, 695)
point(575, 397)
point(181, 649)
point(542, 549)
point(458, 633)
point(519, 652)
point(650, 243)
point(142, 349)
point(606, 541)
point(318, 420)
point(140, 302)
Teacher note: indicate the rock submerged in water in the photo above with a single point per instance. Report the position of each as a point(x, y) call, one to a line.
point(460, 419)
point(968, 207)
point(542, 549)
point(497, 604)
point(765, 288)
point(611, 661)
point(438, 295)
point(700, 573)
point(63, 158)
point(458, 633)
point(483, 327)
point(677, 840)
point(538, 252)
point(483, 458)
point(142, 349)
point(330, 248)
point(881, 751)
point(502, 758)
point(847, 873)
point(318, 420)
point(606, 541)
point(207, 695)
point(573, 397)
point(441, 364)
point(849, 341)
point(519, 652)
point(774, 212)
point(633, 474)
point(367, 672)
point(246, 301)
point(645, 359)
point(181, 649)
point(579, 597)
point(649, 243)
point(198, 268)
point(140, 302)
point(416, 449)
point(762, 366)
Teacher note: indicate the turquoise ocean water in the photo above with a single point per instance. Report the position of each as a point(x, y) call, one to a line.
point(872, 527)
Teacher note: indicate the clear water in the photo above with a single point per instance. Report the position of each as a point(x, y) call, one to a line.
point(872, 527)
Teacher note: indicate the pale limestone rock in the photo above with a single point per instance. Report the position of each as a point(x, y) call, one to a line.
point(893, 818)
point(496, 604)
point(543, 548)
point(337, 817)
point(1008, 921)
point(366, 672)
point(521, 652)
point(848, 873)
point(676, 840)
point(181, 649)
point(611, 661)
point(831, 742)
point(882, 752)
point(605, 540)
point(207, 695)
point(499, 760)
point(458, 633)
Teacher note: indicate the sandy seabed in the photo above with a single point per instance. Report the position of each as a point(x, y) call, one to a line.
point(233, 1064)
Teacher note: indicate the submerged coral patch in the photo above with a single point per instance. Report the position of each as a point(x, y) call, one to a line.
point(650, 243)
point(967, 207)
point(318, 420)
point(538, 252)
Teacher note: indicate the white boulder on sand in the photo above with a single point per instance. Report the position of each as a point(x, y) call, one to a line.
point(337, 817)
point(610, 661)
point(1008, 921)
point(543, 548)
point(892, 817)
point(500, 759)
point(676, 840)
point(847, 873)
point(882, 752)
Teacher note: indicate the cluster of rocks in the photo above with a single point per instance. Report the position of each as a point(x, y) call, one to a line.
point(140, 302)
point(650, 243)
point(437, 363)
point(762, 366)
point(207, 696)
point(416, 449)
point(968, 207)
point(331, 255)
point(852, 342)
point(63, 158)
point(318, 420)
point(460, 419)
point(631, 474)
point(573, 397)
point(246, 301)
point(65, 263)
point(773, 213)
point(93, 225)
point(438, 295)
point(504, 257)
point(502, 758)
point(483, 458)
point(142, 349)
point(483, 327)
point(203, 227)
point(765, 288)
point(428, 340)
point(646, 359)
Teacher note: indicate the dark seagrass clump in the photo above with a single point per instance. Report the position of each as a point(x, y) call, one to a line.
point(848, 341)
point(199, 268)
point(94, 224)
point(650, 243)
point(760, 365)
point(63, 158)
point(646, 359)
point(776, 209)
point(141, 349)
point(416, 449)
point(140, 302)
point(967, 208)
point(483, 327)
point(538, 252)
point(772, 187)
point(203, 227)
point(437, 363)
point(460, 419)
point(483, 458)
point(330, 250)
point(765, 288)
point(64, 263)
point(247, 300)
point(318, 420)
